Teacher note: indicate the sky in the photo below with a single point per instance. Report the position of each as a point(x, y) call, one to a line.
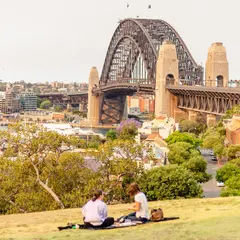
point(60, 40)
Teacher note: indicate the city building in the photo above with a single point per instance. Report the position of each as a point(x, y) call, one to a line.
point(9, 103)
point(161, 125)
point(233, 130)
point(28, 101)
point(145, 104)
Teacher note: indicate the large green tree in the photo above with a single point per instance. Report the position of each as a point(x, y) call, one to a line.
point(38, 151)
point(230, 175)
point(121, 163)
point(169, 182)
point(183, 137)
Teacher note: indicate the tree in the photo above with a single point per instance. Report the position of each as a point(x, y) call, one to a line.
point(39, 101)
point(111, 135)
point(46, 104)
point(128, 129)
point(73, 181)
point(183, 137)
point(231, 151)
point(198, 166)
point(58, 108)
point(180, 152)
point(188, 126)
point(229, 113)
point(120, 164)
point(40, 151)
point(214, 139)
point(94, 142)
point(169, 182)
point(196, 127)
point(227, 171)
point(230, 175)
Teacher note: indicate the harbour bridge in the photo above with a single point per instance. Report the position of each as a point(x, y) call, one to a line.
point(149, 56)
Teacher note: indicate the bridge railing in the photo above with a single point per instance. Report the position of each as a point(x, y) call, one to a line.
point(134, 81)
point(205, 83)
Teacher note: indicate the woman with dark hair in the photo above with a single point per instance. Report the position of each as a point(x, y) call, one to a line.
point(95, 212)
point(140, 207)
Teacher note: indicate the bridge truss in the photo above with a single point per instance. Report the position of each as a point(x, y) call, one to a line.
point(131, 59)
point(206, 99)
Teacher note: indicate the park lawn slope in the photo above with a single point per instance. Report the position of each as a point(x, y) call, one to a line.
point(200, 219)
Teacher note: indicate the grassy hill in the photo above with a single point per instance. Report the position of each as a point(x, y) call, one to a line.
point(200, 219)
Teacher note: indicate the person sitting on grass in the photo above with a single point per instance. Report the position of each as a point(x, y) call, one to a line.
point(140, 207)
point(95, 212)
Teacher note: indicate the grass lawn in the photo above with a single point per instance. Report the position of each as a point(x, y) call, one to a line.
point(200, 219)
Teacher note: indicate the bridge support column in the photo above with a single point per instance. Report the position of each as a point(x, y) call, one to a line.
point(217, 66)
point(69, 107)
point(93, 101)
point(192, 116)
point(180, 115)
point(80, 107)
point(211, 120)
point(125, 111)
point(167, 73)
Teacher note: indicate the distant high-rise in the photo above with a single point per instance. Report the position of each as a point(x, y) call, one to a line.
point(9, 103)
point(28, 101)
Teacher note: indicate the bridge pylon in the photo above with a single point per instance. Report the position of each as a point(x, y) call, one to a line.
point(217, 74)
point(93, 101)
point(166, 73)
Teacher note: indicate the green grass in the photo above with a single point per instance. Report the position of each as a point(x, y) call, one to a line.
point(200, 219)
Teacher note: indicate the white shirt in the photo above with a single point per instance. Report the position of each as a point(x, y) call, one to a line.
point(95, 212)
point(141, 198)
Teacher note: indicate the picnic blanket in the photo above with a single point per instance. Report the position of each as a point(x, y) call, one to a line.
point(114, 226)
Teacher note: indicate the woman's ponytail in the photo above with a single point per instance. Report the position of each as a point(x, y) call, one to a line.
point(96, 195)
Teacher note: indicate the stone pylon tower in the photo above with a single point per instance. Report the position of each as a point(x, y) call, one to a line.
point(93, 101)
point(167, 73)
point(217, 66)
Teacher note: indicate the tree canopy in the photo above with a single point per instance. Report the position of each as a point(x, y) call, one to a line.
point(183, 137)
point(169, 182)
point(128, 129)
point(46, 104)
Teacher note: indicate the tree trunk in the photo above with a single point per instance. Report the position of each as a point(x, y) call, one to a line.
point(48, 189)
point(52, 193)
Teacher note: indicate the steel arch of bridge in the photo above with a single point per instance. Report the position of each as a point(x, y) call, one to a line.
point(143, 37)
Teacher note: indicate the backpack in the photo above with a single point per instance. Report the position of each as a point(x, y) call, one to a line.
point(156, 215)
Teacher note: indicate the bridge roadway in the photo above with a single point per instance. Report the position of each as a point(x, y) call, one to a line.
point(65, 98)
point(205, 98)
point(191, 96)
point(210, 100)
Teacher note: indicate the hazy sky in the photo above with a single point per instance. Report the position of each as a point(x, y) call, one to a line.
point(60, 40)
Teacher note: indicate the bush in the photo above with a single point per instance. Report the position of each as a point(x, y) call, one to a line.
point(46, 104)
point(180, 152)
point(169, 182)
point(111, 135)
point(198, 167)
point(227, 171)
point(128, 129)
point(183, 137)
point(228, 192)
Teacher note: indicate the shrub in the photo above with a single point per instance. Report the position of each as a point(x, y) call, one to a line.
point(128, 129)
point(227, 171)
point(169, 182)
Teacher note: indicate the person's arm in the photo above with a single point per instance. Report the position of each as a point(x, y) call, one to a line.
point(105, 212)
point(84, 210)
point(136, 207)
